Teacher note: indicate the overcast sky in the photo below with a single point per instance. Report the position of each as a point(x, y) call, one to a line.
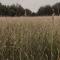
point(30, 4)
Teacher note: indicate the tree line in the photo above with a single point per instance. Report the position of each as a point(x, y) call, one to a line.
point(18, 10)
point(49, 10)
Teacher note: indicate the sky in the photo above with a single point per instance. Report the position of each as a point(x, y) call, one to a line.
point(33, 5)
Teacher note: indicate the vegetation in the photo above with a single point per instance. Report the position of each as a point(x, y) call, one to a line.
point(18, 10)
point(29, 38)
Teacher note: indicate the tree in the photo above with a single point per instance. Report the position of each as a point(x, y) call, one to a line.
point(45, 11)
point(11, 10)
point(20, 10)
point(40, 11)
point(56, 8)
point(28, 12)
point(0, 9)
point(34, 14)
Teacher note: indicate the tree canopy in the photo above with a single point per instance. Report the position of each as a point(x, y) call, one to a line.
point(18, 10)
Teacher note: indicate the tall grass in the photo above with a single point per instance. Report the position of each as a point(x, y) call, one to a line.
point(29, 39)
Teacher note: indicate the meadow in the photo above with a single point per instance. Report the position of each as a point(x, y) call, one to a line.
point(30, 38)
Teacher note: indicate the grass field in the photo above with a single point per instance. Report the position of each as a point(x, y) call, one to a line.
point(29, 38)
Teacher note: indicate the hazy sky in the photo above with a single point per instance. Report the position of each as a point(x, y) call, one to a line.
point(30, 4)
